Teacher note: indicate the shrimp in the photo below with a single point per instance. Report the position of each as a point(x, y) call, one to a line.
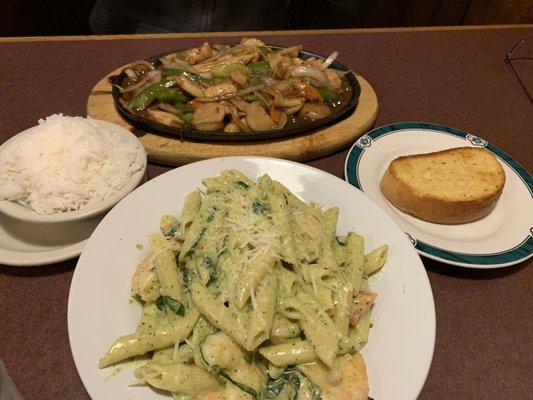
point(360, 305)
point(144, 282)
point(351, 382)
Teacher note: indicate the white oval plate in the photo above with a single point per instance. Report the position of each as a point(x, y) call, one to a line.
point(502, 238)
point(23, 213)
point(28, 244)
point(400, 349)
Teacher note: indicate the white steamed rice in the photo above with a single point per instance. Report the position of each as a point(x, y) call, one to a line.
point(68, 163)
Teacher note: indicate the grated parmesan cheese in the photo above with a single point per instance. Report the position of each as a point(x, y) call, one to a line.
point(68, 163)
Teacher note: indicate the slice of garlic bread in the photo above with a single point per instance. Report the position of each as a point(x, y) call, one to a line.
point(449, 187)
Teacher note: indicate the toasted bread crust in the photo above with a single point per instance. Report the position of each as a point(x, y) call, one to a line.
point(433, 208)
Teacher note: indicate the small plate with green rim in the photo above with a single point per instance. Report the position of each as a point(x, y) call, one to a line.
point(502, 238)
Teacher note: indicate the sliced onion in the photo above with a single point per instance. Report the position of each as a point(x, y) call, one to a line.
point(294, 109)
point(281, 85)
point(262, 98)
point(212, 99)
point(236, 120)
point(250, 89)
point(305, 71)
point(134, 86)
point(240, 104)
point(329, 60)
point(273, 60)
point(340, 73)
point(282, 121)
point(169, 108)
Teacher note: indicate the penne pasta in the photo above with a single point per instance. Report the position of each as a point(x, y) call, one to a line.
point(252, 294)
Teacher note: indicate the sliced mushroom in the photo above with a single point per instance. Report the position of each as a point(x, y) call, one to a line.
point(257, 118)
point(314, 111)
point(214, 126)
point(252, 42)
point(232, 128)
point(292, 51)
point(189, 86)
point(239, 77)
point(220, 90)
point(240, 104)
point(165, 118)
point(169, 58)
point(198, 54)
point(209, 117)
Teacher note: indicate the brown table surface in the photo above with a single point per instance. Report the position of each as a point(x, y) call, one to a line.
point(452, 76)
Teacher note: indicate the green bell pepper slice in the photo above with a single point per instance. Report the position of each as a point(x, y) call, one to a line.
point(184, 108)
point(224, 70)
point(146, 96)
point(171, 95)
point(327, 94)
point(259, 68)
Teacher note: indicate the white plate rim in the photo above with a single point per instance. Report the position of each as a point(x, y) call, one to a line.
point(521, 252)
point(430, 319)
point(25, 214)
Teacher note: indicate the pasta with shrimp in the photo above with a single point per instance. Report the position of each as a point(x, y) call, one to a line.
point(252, 294)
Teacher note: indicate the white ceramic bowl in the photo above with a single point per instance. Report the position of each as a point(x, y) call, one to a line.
point(20, 212)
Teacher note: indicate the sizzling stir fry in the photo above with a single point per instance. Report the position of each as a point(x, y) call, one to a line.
point(247, 87)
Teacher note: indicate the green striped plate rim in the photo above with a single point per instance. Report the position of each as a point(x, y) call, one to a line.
point(520, 252)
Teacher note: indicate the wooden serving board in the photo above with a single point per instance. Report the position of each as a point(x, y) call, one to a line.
point(177, 151)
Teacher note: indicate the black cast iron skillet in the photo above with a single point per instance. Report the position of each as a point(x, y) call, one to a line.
point(154, 127)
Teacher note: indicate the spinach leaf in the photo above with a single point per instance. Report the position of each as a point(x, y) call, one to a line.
point(214, 273)
point(273, 388)
point(219, 371)
point(175, 305)
point(188, 275)
point(193, 247)
point(258, 208)
point(244, 185)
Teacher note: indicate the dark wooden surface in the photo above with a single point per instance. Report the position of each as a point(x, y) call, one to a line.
point(455, 77)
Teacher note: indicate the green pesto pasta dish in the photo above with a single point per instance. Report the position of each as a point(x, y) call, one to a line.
point(252, 294)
